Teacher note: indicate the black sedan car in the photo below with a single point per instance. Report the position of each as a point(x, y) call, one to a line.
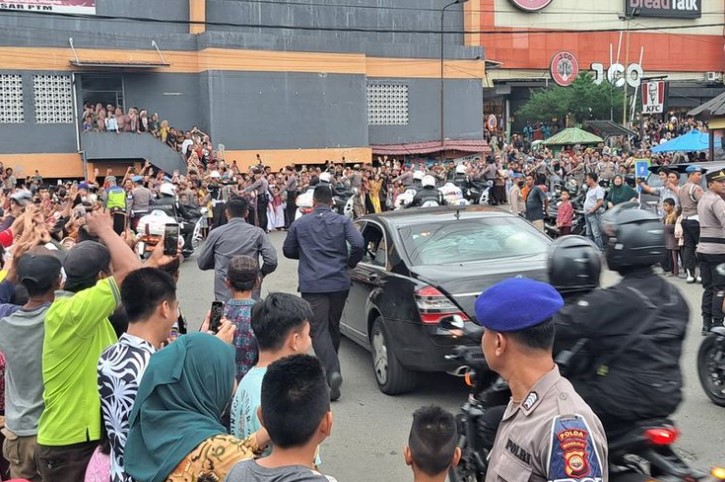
point(422, 265)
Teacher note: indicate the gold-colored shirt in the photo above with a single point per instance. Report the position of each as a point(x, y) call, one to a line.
point(214, 458)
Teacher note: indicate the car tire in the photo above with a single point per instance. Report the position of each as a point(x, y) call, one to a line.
point(392, 377)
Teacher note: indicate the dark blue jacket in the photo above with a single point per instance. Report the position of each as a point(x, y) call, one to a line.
point(320, 241)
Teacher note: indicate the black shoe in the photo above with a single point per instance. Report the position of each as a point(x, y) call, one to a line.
point(335, 383)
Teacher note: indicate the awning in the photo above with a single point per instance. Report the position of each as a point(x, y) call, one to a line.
point(714, 108)
point(428, 147)
point(604, 128)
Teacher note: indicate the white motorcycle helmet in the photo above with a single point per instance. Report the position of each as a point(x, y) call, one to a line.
point(418, 175)
point(326, 177)
point(167, 189)
point(461, 169)
point(428, 181)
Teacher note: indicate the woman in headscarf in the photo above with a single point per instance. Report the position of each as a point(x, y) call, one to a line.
point(176, 433)
point(620, 192)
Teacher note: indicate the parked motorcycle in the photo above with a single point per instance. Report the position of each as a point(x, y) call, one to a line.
point(643, 452)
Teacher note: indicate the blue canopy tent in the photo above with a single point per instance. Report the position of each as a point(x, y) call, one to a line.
point(693, 141)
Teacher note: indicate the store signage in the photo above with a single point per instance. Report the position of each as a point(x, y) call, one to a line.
point(532, 5)
point(564, 68)
point(653, 97)
point(84, 7)
point(618, 75)
point(664, 8)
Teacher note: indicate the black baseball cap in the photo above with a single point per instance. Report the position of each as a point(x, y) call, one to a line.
point(39, 266)
point(85, 260)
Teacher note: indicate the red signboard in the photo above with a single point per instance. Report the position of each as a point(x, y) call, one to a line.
point(653, 97)
point(564, 68)
point(531, 5)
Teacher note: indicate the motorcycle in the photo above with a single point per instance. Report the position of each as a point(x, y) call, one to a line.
point(711, 361)
point(342, 203)
point(645, 451)
point(150, 230)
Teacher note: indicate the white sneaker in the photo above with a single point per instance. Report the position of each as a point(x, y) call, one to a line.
point(699, 279)
point(690, 278)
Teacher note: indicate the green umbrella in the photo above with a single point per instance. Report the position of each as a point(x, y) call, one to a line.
point(571, 136)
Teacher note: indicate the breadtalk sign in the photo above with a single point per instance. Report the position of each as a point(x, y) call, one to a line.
point(664, 8)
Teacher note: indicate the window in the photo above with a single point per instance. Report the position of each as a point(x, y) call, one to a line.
point(469, 241)
point(387, 104)
point(53, 99)
point(11, 99)
point(376, 251)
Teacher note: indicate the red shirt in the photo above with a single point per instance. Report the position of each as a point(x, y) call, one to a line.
point(565, 214)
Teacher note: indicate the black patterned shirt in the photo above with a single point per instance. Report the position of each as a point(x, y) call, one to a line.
point(120, 369)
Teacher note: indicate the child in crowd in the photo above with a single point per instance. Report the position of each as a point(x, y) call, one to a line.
point(565, 214)
point(282, 328)
point(670, 263)
point(433, 444)
point(242, 280)
point(296, 412)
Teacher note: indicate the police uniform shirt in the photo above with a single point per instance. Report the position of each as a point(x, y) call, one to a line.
point(552, 435)
point(689, 196)
point(711, 212)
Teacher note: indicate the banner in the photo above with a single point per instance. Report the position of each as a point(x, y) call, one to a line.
point(654, 94)
point(84, 7)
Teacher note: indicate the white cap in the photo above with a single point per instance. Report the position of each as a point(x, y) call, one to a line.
point(418, 175)
point(215, 175)
point(461, 169)
point(428, 181)
point(325, 177)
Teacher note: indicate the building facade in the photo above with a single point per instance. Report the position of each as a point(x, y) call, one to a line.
point(678, 40)
point(298, 81)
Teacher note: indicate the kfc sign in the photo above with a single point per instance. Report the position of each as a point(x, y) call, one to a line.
point(664, 8)
point(653, 97)
point(531, 5)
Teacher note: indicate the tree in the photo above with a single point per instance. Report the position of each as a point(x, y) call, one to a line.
point(582, 100)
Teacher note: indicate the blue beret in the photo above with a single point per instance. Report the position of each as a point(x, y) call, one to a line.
point(516, 304)
point(137, 178)
point(694, 168)
point(83, 185)
point(517, 175)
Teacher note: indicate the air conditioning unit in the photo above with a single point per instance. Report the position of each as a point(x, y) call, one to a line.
point(714, 76)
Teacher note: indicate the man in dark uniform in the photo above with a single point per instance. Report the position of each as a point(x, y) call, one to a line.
point(633, 330)
point(428, 194)
point(547, 432)
point(711, 249)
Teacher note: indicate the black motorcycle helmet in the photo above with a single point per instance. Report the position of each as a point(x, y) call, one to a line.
point(574, 264)
point(632, 237)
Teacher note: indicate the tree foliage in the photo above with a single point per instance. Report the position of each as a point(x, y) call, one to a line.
point(583, 100)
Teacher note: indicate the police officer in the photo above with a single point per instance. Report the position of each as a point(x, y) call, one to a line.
point(711, 249)
point(634, 329)
point(689, 195)
point(428, 194)
point(547, 431)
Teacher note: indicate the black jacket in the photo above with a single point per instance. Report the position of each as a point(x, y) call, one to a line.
point(427, 194)
point(629, 376)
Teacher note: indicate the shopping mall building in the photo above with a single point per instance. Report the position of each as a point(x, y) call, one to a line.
point(680, 41)
point(345, 78)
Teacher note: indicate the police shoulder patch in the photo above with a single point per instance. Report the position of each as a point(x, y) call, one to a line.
point(573, 455)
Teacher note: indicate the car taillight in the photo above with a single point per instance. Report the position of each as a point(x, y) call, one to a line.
point(434, 305)
point(305, 210)
point(662, 435)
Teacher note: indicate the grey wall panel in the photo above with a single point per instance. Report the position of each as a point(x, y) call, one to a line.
point(31, 137)
point(258, 110)
point(464, 107)
point(175, 97)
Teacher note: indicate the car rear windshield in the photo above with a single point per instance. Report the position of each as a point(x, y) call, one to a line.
point(469, 240)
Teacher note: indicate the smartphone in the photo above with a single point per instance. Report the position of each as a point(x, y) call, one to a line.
point(217, 310)
point(119, 223)
point(171, 239)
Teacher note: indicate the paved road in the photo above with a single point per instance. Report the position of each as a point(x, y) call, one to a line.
point(371, 428)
